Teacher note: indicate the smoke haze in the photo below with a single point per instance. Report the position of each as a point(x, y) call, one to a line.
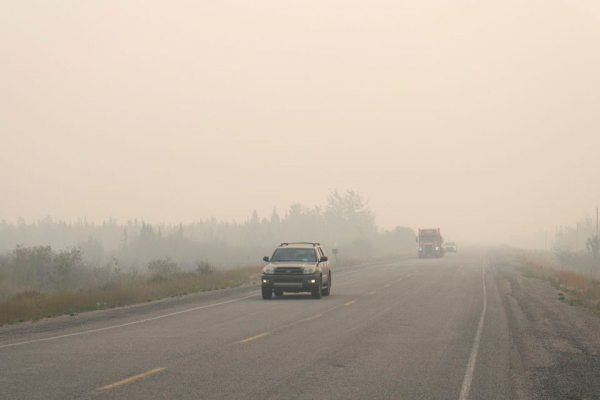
point(482, 119)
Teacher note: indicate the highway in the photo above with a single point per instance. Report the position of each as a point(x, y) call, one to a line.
point(466, 326)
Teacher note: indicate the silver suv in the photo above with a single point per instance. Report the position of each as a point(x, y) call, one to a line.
point(450, 247)
point(294, 268)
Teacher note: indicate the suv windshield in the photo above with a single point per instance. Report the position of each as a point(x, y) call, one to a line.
point(287, 254)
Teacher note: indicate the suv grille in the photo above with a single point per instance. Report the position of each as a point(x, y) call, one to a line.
point(288, 270)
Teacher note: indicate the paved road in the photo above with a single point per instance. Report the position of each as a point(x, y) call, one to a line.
point(412, 329)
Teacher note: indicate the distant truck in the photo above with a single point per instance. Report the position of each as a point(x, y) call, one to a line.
point(430, 243)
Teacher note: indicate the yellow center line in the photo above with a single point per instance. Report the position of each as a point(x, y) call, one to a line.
point(131, 379)
point(350, 302)
point(373, 292)
point(254, 337)
point(314, 317)
point(388, 285)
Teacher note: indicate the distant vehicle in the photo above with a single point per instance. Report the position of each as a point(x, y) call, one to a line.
point(294, 268)
point(430, 243)
point(450, 247)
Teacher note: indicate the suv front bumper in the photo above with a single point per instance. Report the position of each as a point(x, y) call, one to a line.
point(290, 283)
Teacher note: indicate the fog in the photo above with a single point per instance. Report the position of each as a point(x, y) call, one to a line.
point(481, 119)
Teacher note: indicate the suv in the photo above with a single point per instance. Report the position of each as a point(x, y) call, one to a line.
point(450, 247)
point(297, 267)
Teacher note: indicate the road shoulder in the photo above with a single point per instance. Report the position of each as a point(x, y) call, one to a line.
point(558, 345)
point(101, 318)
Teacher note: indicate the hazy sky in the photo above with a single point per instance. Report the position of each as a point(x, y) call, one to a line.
point(482, 118)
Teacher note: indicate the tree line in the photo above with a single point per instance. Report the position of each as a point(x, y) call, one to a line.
point(48, 253)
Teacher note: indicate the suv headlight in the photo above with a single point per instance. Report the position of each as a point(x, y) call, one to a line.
point(268, 270)
point(309, 270)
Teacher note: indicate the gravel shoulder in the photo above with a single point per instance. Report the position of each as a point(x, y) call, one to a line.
point(558, 345)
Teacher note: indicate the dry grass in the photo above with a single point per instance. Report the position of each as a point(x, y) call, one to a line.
point(580, 287)
point(33, 305)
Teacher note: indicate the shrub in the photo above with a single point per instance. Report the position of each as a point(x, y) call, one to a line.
point(204, 268)
point(162, 267)
point(42, 269)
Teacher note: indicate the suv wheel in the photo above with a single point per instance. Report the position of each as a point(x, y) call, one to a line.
point(328, 290)
point(267, 294)
point(318, 291)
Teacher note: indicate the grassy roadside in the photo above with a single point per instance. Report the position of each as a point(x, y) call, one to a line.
point(33, 305)
point(576, 287)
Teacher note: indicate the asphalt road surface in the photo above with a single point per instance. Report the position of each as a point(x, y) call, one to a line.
point(467, 326)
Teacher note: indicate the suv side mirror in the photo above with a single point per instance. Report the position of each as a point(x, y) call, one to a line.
point(323, 259)
point(266, 258)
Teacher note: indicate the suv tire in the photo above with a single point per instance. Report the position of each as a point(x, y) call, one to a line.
point(327, 291)
point(267, 294)
point(318, 292)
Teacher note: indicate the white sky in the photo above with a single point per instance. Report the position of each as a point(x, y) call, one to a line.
point(482, 118)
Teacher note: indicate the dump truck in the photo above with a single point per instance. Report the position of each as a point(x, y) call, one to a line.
point(430, 243)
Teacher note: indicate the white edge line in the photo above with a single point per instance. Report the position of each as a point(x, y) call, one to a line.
point(466, 386)
point(126, 324)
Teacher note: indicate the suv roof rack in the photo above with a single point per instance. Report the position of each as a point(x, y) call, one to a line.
point(313, 243)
